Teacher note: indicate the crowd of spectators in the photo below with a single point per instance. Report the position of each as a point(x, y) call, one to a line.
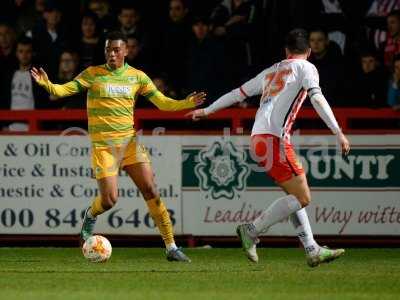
point(207, 45)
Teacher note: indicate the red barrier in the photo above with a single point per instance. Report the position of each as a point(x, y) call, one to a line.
point(236, 116)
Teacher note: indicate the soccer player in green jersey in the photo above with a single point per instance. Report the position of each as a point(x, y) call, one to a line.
point(112, 90)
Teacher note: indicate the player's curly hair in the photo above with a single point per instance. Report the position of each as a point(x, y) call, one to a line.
point(115, 36)
point(297, 41)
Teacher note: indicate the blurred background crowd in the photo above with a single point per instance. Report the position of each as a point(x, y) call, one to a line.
point(202, 45)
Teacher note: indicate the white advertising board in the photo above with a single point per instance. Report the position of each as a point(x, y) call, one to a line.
point(46, 185)
point(358, 195)
point(209, 183)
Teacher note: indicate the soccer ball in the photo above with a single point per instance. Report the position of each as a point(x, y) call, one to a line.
point(97, 249)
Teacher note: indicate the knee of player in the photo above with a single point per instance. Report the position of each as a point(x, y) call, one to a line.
point(304, 199)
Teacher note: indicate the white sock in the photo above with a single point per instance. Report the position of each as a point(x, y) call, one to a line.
point(171, 247)
point(279, 209)
point(302, 226)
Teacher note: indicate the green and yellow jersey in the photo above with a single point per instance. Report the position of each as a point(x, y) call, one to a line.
point(111, 97)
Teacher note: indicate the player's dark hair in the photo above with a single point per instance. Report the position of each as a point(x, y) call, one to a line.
point(116, 36)
point(297, 41)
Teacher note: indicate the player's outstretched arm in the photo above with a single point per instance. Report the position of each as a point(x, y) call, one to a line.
point(324, 110)
point(149, 90)
point(224, 101)
point(250, 88)
point(59, 90)
point(168, 104)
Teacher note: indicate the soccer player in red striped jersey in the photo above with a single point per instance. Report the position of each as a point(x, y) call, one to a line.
point(283, 88)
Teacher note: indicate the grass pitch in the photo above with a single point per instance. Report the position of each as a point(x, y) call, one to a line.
point(132, 273)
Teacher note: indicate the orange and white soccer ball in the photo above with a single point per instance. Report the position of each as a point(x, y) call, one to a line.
point(97, 249)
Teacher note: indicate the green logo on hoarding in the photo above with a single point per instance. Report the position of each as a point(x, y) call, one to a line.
point(364, 168)
point(222, 170)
